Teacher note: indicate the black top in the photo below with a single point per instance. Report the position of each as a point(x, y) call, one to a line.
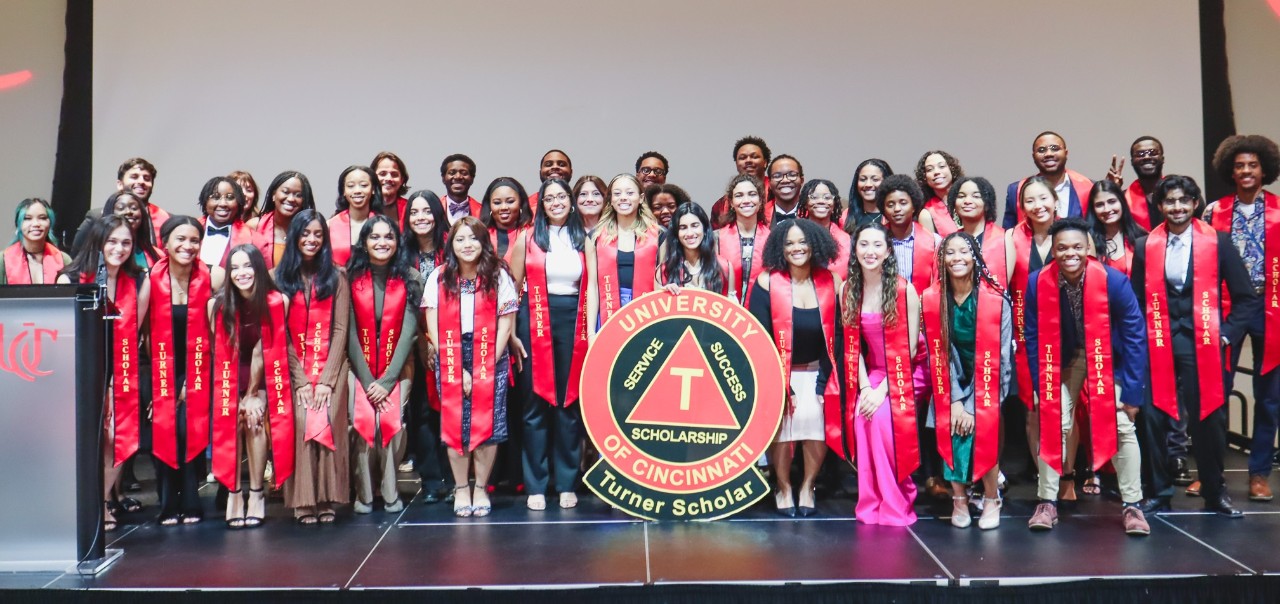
point(1035, 262)
point(179, 313)
point(807, 342)
point(627, 269)
point(503, 242)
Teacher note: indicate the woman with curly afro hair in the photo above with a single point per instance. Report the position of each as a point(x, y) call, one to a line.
point(1252, 217)
point(935, 173)
point(795, 299)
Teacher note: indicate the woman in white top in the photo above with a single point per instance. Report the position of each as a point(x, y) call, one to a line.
point(548, 263)
point(470, 307)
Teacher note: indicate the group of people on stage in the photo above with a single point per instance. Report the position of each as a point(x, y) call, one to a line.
point(452, 330)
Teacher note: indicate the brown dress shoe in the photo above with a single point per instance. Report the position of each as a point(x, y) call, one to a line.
point(1193, 490)
point(1259, 490)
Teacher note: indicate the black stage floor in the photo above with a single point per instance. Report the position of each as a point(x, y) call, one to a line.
point(424, 547)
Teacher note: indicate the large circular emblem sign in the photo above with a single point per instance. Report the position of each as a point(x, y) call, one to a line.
point(681, 395)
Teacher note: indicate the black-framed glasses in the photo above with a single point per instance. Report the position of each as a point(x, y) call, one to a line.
point(647, 171)
point(792, 175)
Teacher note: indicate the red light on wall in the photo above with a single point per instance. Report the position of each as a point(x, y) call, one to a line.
point(15, 79)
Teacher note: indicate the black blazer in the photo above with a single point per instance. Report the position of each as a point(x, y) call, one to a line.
point(1245, 303)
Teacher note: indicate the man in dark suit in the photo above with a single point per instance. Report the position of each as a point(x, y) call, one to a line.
point(1181, 299)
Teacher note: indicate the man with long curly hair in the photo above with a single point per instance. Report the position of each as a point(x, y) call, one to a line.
point(1252, 217)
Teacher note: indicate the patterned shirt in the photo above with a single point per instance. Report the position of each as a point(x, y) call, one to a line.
point(1248, 234)
point(1075, 300)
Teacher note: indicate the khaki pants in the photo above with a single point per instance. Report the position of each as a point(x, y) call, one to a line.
point(1128, 458)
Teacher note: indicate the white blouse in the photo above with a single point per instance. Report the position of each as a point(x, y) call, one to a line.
point(564, 265)
point(507, 301)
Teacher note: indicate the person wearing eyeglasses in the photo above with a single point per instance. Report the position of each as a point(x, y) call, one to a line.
point(786, 179)
point(221, 200)
point(1146, 155)
point(548, 263)
point(651, 169)
point(1049, 152)
point(820, 202)
point(750, 156)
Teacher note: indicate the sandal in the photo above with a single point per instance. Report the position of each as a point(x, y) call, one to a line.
point(537, 503)
point(171, 520)
point(130, 505)
point(256, 511)
point(109, 523)
point(192, 519)
point(1067, 487)
point(462, 509)
point(568, 500)
point(305, 517)
point(477, 509)
point(1092, 486)
point(235, 510)
point(328, 516)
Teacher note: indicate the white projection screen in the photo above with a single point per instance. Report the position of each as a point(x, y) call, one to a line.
point(32, 34)
point(205, 87)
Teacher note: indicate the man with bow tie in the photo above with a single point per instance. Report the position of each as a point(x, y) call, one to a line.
point(458, 173)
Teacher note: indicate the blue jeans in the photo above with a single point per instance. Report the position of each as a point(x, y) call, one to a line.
point(1266, 401)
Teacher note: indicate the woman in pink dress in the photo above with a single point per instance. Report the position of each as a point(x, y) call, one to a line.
point(881, 316)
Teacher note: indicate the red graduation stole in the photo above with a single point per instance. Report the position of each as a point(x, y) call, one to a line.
point(483, 384)
point(993, 253)
point(340, 237)
point(986, 376)
point(158, 218)
point(1205, 283)
point(901, 399)
point(942, 222)
point(265, 234)
point(844, 248)
point(730, 246)
point(512, 236)
point(15, 264)
point(543, 360)
point(1221, 220)
point(310, 322)
point(924, 256)
point(1137, 199)
point(378, 337)
point(275, 356)
point(646, 262)
point(1022, 248)
point(1099, 392)
point(226, 396)
point(124, 369)
point(164, 389)
point(1125, 263)
point(781, 311)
